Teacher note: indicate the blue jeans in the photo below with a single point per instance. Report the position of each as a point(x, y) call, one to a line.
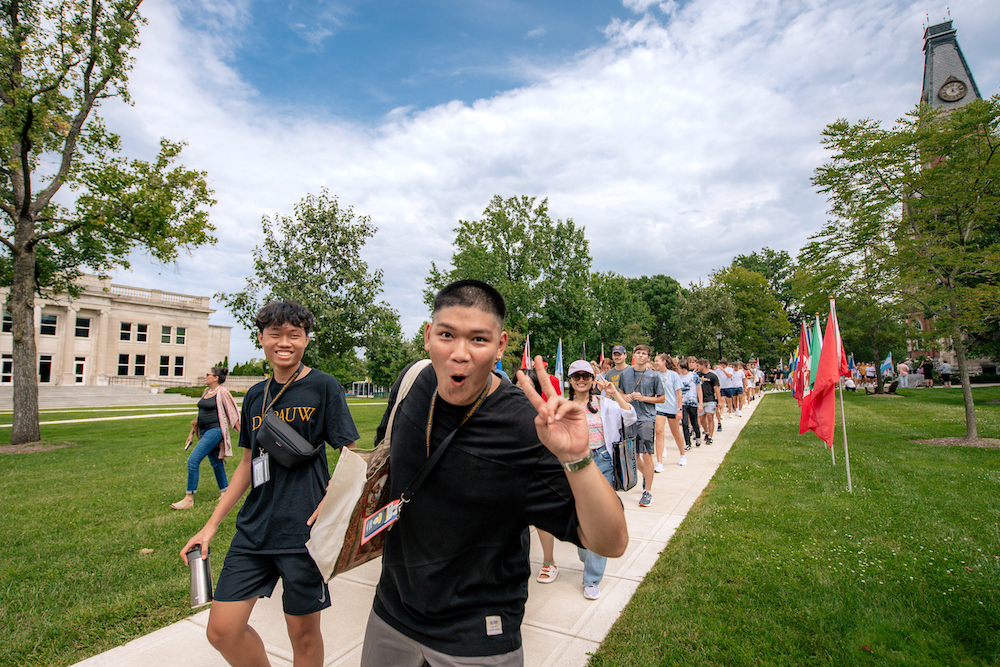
point(208, 445)
point(593, 565)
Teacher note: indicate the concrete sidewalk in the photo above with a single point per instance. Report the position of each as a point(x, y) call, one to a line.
point(560, 629)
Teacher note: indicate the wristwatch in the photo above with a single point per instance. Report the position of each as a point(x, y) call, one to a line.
point(579, 464)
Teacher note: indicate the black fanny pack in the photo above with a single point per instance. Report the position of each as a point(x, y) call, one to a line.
point(281, 441)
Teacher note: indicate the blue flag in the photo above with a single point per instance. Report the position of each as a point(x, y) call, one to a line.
point(559, 366)
point(886, 367)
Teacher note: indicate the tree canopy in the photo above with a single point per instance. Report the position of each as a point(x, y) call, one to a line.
point(58, 62)
point(922, 201)
point(314, 257)
point(540, 266)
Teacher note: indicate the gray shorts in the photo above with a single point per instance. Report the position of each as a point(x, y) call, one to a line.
point(645, 438)
point(385, 645)
point(707, 408)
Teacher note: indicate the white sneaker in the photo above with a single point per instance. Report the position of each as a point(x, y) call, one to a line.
point(591, 592)
point(739, 414)
point(683, 461)
point(658, 467)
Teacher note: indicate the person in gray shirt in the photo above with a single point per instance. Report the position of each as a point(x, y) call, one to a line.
point(642, 386)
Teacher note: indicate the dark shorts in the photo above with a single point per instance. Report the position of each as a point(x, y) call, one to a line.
point(739, 390)
point(245, 576)
point(645, 439)
point(729, 391)
point(945, 377)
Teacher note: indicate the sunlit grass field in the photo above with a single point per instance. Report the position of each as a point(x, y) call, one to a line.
point(776, 564)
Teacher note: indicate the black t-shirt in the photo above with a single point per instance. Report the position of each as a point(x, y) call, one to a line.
point(208, 414)
point(708, 393)
point(457, 559)
point(273, 518)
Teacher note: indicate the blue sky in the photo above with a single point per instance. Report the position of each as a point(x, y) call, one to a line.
point(678, 134)
point(361, 60)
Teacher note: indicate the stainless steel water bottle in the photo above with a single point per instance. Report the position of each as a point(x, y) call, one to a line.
point(201, 578)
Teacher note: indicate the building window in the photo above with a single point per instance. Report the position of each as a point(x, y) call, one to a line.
point(126, 333)
point(181, 334)
point(79, 369)
point(48, 327)
point(8, 322)
point(140, 365)
point(7, 369)
point(140, 332)
point(164, 365)
point(45, 367)
point(164, 334)
point(122, 364)
point(83, 327)
point(178, 366)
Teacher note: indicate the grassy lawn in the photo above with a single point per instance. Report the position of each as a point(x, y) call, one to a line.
point(778, 565)
point(73, 582)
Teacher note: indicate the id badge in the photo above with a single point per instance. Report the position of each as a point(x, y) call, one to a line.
point(261, 467)
point(381, 520)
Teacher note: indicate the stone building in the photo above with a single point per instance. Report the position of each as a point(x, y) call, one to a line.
point(117, 334)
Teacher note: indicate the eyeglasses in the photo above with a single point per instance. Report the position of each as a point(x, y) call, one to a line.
point(581, 376)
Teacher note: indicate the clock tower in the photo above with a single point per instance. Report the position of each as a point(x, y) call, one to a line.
point(948, 82)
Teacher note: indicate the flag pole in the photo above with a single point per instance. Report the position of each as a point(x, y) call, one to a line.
point(847, 455)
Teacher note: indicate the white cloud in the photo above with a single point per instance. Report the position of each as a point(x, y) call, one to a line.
point(682, 142)
point(537, 32)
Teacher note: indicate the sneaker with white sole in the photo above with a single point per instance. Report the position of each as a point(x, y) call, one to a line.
point(720, 427)
point(697, 442)
point(658, 467)
point(739, 414)
point(683, 461)
point(646, 500)
point(591, 592)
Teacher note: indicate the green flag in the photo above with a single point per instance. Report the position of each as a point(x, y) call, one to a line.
point(814, 349)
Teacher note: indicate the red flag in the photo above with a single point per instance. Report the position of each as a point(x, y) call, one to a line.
point(526, 357)
point(600, 362)
point(822, 401)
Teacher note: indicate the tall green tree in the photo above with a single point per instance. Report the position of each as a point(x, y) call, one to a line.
point(540, 266)
point(763, 329)
point(706, 310)
point(620, 316)
point(58, 61)
point(872, 319)
point(314, 257)
point(662, 294)
point(923, 200)
point(778, 267)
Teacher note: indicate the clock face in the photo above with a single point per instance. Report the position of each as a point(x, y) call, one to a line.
point(952, 91)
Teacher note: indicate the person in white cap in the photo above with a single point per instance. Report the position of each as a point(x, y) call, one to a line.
point(605, 417)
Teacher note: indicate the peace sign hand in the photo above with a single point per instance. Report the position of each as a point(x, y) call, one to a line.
point(561, 424)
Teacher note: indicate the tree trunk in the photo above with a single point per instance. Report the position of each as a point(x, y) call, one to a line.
point(21, 305)
point(879, 383)
point(971, 429)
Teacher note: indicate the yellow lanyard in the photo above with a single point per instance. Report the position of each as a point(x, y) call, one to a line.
point(475, 406)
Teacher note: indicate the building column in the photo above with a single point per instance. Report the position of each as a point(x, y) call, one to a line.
point(98, 372)
point(68, 339)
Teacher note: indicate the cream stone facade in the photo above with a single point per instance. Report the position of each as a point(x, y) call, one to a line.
point(117, 334)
